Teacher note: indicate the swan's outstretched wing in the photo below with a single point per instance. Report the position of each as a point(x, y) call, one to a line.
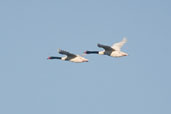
point(107, 48)
point(118, 46)
point(66, 53)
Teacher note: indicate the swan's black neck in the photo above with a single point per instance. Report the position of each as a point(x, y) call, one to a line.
point(91, 52)
point(54, 57)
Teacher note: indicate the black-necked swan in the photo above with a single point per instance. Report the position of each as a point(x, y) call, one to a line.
point(113, 51)
point(69, 57)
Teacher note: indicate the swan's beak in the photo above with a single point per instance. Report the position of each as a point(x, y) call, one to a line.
point(49, 58)
point(85, 53)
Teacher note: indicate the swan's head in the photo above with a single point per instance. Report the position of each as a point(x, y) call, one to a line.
point(49, 57)
point(87, 52)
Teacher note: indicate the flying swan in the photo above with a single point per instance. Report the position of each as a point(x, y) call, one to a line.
point(69, 57)
point(113, 51)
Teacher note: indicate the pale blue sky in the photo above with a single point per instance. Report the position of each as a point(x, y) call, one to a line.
point(32, 30)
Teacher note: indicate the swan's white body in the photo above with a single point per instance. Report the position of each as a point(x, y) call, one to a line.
point(72, 57)
point(77, 59)
point(113, 53)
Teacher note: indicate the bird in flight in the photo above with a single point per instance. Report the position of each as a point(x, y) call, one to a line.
point(69, 57)
point(113, 51)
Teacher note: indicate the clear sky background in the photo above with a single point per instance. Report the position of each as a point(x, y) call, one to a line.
point(32, 30)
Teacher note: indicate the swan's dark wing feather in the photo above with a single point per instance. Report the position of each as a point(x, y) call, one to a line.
point(107, 48)
point(66, 53)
